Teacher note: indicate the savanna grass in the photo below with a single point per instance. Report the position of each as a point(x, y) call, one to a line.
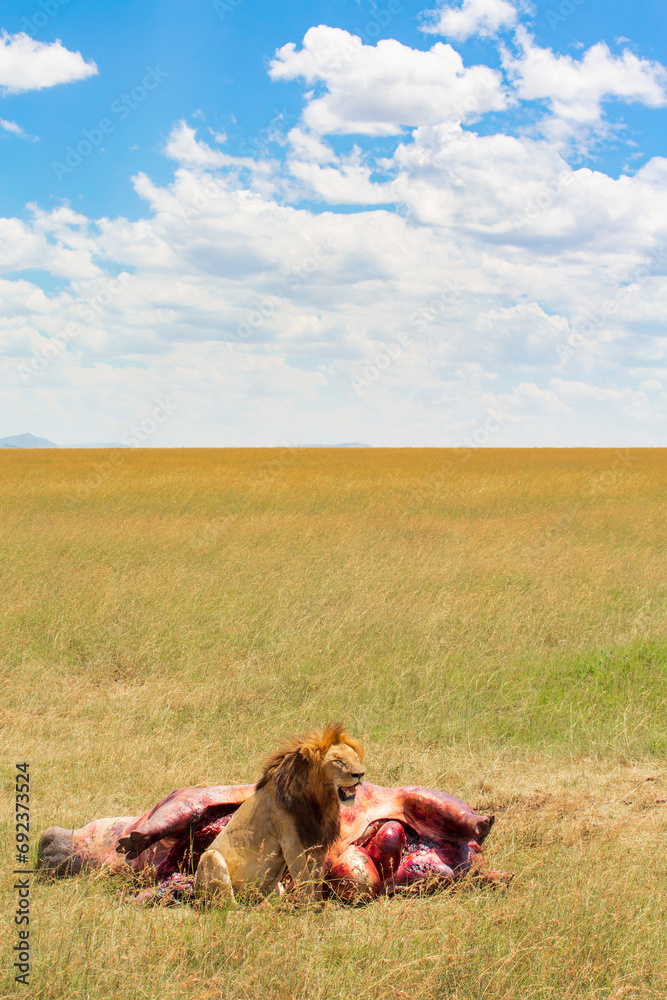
point(489, 622)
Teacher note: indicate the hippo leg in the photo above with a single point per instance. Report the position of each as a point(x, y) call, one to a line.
point(424, 867)
point(212, 881)
point(483, 828)
point(353, 878)
point(471, 861)
point(56, 854)
point(133, 844)
point(172, 891)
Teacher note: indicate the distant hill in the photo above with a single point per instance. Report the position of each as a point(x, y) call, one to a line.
point(26, 441)
point(30, 441)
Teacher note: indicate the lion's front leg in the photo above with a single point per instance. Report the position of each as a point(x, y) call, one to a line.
point(305, 864)
point(212, 880)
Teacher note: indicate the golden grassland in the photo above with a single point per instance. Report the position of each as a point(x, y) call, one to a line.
point(490, 622)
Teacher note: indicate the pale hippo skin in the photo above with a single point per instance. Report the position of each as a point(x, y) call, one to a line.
point(391, 839)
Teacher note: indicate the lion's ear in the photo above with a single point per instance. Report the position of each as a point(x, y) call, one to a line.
point(311, 754)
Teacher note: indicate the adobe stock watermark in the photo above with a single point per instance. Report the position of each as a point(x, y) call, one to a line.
point(561, 13)
point(261, 310)
point(559, 523)
point(121, 108)
point(380, 362)
point(213, 186)
point(592, 324)
point(471, 104)
point(379, 20)
point(311, 263)
point(264, 308)
point(88, 311)
point(493, 422)
point(225, 7)
point(136, 436)
point(437, 306)
point(544, 199)
point(436, 483)
point(391, 352)
point(369, 32)
point(260, 142)
point(48, 9)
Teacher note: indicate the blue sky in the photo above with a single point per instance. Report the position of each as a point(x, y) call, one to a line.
point(339, 221)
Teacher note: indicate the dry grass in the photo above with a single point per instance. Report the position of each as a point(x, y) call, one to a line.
point(491, 623)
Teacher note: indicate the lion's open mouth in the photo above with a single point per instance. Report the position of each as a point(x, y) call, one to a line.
point(347, 794)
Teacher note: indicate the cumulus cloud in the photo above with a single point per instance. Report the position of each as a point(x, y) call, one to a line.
point(576, 88)
point(26, 64)
point(257, 312)
point(182, 145)
point(473, 17)
point(56, 242)
point(378, 89)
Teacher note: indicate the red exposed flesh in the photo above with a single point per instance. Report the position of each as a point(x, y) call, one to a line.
point(386, 849)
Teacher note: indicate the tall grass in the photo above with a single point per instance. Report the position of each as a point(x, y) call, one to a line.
point(491, 623)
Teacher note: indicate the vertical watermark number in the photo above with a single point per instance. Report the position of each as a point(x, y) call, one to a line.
point(21, 949)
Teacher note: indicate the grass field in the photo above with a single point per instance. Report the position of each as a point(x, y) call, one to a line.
point(492, 623)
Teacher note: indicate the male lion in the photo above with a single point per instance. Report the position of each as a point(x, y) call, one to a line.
point(290, 820)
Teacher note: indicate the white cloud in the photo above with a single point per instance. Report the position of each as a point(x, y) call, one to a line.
point(521, 193)
point(540, 399)
point(308, 147)
point(348, 182)
point(524, 334)
point(576, 88)
point(259, 316)
point(13, 128)
point(626, 402)
point(183, 146)
point(473, 17)
point(26, 64)
point(52, 241)
point(378, 89)
point(584, 390)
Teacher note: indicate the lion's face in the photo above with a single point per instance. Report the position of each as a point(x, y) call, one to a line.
point(344, 769)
